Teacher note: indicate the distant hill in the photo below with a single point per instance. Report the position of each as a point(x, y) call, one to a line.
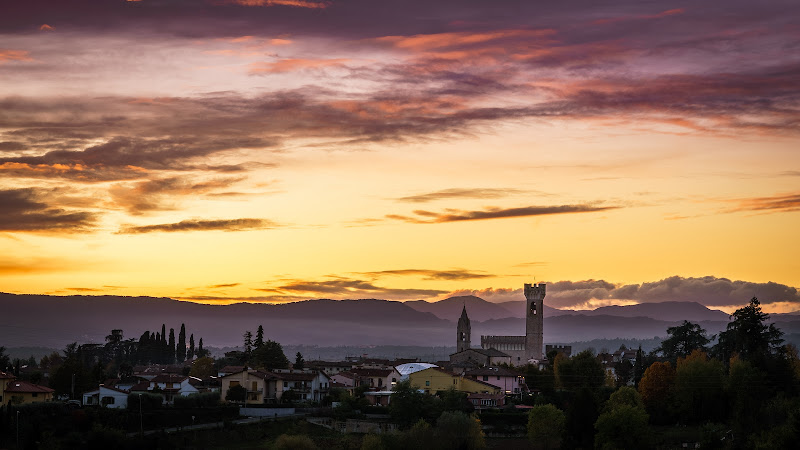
point(478, 309)
point(517, 307)
point(668, 311)
point(52, 321)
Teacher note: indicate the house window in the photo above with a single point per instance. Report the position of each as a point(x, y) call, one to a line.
point(427, 383)
point(34, 394)
point(454, 381)
point(285, 384)
point(486, 378)
point(234, 383)
point(254, 387)
point(498, 377)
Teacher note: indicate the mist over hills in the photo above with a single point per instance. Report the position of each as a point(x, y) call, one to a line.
point(54, 321)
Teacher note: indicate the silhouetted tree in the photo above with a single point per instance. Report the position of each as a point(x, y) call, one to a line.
point(683, 340)
point(248, 343)
point(170, 357)
point(299, 362)
point(5, 361)
point(190, 355)
point(270, 356)
point(638, 367)
point(163, 333)
point(582, 370)
point(748, 336)
point(259, 337)
point(180, 349)
point(201, 352)
point(546, 426)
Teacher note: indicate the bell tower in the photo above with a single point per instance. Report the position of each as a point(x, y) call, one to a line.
point(534, 302)
point(464, 330)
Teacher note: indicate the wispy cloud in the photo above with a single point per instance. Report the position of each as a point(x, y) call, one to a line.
point(454, 193)
point(157, 194)
point(454, 215)
point(348, 288)
point(28, 210)
point(773, 204)
point(453, 274)
point(201, 225)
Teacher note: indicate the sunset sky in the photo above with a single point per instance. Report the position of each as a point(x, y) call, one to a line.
point(281, 150)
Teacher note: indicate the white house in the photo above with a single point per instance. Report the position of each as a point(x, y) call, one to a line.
point(310, 385)
point(168, 385)
point(107, 396)
point(510, 382)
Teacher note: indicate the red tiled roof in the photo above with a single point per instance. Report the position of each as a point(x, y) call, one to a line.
point(116, 389)
point(143, 386)
point(24, 386)
point(231, 369)
point(6, 376)
point(372, 372)
point(168, 378)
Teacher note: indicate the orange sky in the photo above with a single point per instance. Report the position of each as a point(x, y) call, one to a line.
point(282, 150)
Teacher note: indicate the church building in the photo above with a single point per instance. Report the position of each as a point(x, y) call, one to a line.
point(516, 350)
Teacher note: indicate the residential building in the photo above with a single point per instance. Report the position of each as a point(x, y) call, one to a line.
point(19, 392)
point(107, 396)
point(433, 380)
point(167, 384)
point(486, 401)
point(508, 381)
point(376, 378)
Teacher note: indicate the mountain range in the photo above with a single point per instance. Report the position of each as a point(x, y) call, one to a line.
point(54, 321)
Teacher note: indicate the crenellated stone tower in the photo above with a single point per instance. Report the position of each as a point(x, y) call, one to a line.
point(464, 331)
point(534, 323)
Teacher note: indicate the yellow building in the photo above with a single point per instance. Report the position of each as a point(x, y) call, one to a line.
point(256, 382)
point(5, 379)
point(19, 392)
point(435, 379)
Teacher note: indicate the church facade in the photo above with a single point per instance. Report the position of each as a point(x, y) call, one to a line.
point(520, 349)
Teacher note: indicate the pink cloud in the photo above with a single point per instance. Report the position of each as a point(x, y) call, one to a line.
point(14, 55)
point(291, 65)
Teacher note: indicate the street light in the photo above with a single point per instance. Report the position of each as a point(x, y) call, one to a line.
point(17, 428)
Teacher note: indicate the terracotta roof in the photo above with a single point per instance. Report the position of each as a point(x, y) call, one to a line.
point(295, 376)
point(493, 371)
point(346, 374)
point(24, 386)
point(372, 372)
point(143, 386)
point(6, 376)
point(168, 378)
point(115, 389)
point(231, 369)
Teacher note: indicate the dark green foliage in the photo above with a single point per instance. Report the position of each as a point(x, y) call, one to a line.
point(259, 337)
point(190, 353)
point(236, 393)
point(269, 356)
point(624, 372)
point(453, 400)
point(457, 430)
point(749, 336)
point(149, 402)
point(698, 393)
point(546, 426)
point(201, 400)
point(408, 406)
point(171, 347)
point(581, 371)
point(180, 349)
point(201, 352)
point(299, 362)
point(623, 427)
point(294, 442)
point(248, 343)
point(543, 380)
point(582, 409)
point(683, 340)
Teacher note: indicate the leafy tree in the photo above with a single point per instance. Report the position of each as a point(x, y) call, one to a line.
point(457, 430)
point(259, 337)
point(683, 340)
point(202, 368)
point(543, 380)
point(624, 396)
point(453, 400)
point(581, 414)
point(180, 350)
point(408, 405)
point(748, 336)
point(623, 427)
point(5, 361)
point(299, 362)
point(236, 393)
point(190, 354)
point(638, 367)
point(546, 426)
point(698, 392)
point(656, 389)
point(746, 390)
point(581, 371)
point(624, 372)
point(270, 356)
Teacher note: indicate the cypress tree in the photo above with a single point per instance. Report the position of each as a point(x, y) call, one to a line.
point(259, 337)
point(191, 347)
point(200, 352)
point(171, 347)
point(180, 350)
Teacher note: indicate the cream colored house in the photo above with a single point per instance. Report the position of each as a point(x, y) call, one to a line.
point(19, 392)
